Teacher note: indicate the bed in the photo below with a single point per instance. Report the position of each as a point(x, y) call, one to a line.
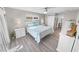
point(38, 31)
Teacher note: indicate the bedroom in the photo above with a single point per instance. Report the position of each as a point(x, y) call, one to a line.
point(37, 29)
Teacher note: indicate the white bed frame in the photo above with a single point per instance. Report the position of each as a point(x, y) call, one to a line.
point(41, 35)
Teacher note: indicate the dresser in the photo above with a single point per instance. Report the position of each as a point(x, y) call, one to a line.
point(65, 43)
point(20, 32)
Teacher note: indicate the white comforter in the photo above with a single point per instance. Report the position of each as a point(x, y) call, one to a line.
point(39, 32)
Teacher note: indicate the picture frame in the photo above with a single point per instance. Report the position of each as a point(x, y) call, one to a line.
point(28, 17)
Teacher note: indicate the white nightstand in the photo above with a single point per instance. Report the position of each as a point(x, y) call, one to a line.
point(20, 32)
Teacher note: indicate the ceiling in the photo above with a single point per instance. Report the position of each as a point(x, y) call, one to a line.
point(51, 10)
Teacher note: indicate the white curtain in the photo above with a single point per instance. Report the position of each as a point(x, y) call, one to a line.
point(4, 37)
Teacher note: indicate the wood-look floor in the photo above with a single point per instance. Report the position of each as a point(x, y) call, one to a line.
point(47, 44)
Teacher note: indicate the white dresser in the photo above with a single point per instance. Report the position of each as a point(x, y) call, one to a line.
point(65, 43)
point(20, 32)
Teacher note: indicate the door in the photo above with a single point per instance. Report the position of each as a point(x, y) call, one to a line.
point(50, 22)
point(55, 22)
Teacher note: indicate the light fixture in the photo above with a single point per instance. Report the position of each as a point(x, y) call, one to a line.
point(2, 10)
point(45, 12)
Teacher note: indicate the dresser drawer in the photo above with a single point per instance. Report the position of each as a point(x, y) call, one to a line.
point(20, 32)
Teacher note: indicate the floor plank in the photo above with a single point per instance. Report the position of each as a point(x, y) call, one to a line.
point(47, 44)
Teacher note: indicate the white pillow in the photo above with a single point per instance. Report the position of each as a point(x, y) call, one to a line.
point(30, 24)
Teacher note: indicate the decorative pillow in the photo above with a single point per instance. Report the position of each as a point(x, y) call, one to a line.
point(30, 24)
point(36, 23)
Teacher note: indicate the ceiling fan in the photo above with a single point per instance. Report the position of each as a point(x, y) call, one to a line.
point(45, 10)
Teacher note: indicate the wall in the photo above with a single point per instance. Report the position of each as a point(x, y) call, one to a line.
point(55, 20)
point(17, 18)
point(64, 19)
point(69, 15)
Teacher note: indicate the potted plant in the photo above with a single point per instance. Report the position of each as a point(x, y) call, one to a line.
point(12, 35)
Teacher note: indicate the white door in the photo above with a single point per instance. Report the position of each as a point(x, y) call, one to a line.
point(50, 21)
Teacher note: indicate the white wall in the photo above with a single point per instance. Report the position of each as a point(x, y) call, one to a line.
point(14, 15)
point(65, 17)
point(69, 15)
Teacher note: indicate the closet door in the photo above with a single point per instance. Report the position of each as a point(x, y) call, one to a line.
point(50, 22)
